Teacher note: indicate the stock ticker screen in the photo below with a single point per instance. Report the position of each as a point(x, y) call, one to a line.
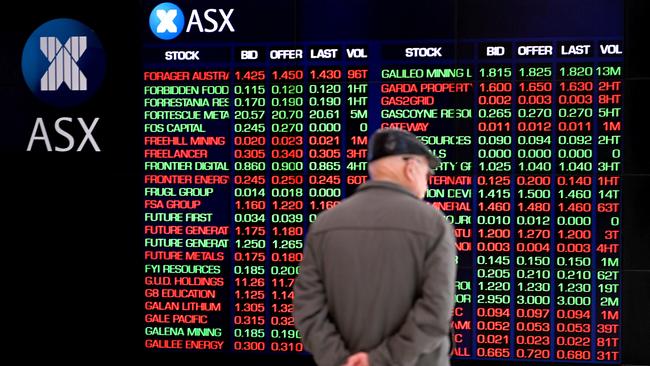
point(256, 116)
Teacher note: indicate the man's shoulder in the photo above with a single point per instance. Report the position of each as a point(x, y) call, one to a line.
point(337, 214)
point(340, 208)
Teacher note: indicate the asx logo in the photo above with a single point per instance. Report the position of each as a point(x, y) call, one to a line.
point(63, 62)
point(63, 65)
point(167, 21)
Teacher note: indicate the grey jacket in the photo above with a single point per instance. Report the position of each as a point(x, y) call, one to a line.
point(378, 276)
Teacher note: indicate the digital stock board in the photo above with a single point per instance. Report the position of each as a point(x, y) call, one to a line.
point(255, 118)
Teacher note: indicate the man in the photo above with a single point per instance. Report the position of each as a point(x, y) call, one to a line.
point(376, 286)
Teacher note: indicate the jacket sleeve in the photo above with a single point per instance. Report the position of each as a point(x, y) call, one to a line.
point(427, 325)
point(319, 335)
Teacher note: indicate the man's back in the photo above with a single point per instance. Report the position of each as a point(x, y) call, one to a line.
point(385, 263)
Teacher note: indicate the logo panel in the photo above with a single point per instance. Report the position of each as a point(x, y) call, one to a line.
point(63, 62)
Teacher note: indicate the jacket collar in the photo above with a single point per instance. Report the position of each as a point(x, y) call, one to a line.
point(383, 184)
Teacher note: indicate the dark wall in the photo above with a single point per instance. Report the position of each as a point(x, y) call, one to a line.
point(636, 185)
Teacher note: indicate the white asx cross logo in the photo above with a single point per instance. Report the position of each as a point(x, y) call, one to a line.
point(63, 63)
point(166, 18)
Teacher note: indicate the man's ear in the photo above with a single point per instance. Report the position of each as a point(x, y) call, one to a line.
point(409, 171)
